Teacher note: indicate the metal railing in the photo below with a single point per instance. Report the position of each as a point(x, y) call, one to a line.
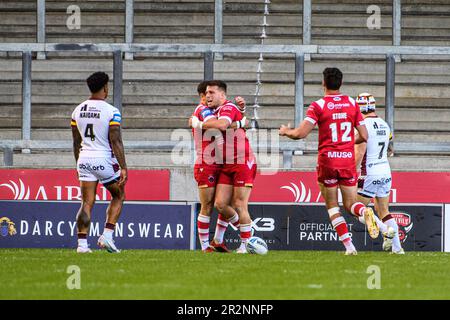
point(218, 23)
point(128, 48)
point(208, 50)
point(218, 40)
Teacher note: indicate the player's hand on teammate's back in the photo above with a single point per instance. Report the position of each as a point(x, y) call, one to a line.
point(284, 129)
point(195, 122)
point(240, 103)
point(123, 177)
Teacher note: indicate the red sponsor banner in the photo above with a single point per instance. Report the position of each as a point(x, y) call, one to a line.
point(144, 185)
point(153, 185)
point(407, 187)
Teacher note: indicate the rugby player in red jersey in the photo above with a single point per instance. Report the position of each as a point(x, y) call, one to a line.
point(208, 146)
point(238, 172)
point(336, 116)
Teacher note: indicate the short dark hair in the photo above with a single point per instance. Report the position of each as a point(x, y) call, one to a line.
point(332, 78)
point(218, 83)
point(201, 88)
point(97, 81)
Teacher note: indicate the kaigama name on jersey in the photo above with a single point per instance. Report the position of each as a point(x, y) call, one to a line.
point(90, 115)
point(339, 154)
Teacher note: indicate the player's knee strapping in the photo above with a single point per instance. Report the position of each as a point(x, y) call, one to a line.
point(333, 211)
point(357, 209)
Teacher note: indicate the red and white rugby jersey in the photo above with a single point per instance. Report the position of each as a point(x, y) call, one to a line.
point(336, 117)
point(204, 154)
point(237, 146)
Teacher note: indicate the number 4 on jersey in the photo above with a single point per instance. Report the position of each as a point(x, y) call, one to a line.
point(89, 132)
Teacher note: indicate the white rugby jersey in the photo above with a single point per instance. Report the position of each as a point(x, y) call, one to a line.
point(375, 162)
point(93, 119)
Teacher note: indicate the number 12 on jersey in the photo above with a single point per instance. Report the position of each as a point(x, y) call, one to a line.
point(345, 130)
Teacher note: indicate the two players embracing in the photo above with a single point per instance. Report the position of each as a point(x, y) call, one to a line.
point(225, 167)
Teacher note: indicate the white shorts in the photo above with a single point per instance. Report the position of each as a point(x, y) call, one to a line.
point(105, 170)
point(375, 186)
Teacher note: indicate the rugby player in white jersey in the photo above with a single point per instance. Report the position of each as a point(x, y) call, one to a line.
point(100, 157)
point(375, 180)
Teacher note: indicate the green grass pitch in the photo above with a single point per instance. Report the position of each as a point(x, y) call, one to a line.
point(180, 275)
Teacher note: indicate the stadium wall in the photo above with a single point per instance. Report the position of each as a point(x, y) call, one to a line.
point(171, 225)
point(287, 212)
point(179, 185)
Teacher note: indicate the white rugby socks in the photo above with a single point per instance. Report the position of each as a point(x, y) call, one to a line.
point(396, 244)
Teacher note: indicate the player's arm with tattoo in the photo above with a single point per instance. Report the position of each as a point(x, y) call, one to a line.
point(115, 137)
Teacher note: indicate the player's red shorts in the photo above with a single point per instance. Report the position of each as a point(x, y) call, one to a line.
point(238, 175)
point(331, 177)
point(206, 175)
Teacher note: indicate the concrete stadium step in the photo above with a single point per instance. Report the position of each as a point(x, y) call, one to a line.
point(424, 22)
point(14, 101)
point(234, 69)
point(158, 94)
point(183, 112)
point(171, 135)
point(290, 5)
point(175, 117)
point(348, 21)
point(66, 134)
point(407, 119)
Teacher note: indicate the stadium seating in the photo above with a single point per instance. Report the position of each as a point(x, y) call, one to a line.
point(159, 89)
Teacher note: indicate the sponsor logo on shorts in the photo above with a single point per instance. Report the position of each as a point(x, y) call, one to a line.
point(405, 224)
point(376, 164)
point(382, 181)
point(91, 168)
point(211, 178)
point(330, 181)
